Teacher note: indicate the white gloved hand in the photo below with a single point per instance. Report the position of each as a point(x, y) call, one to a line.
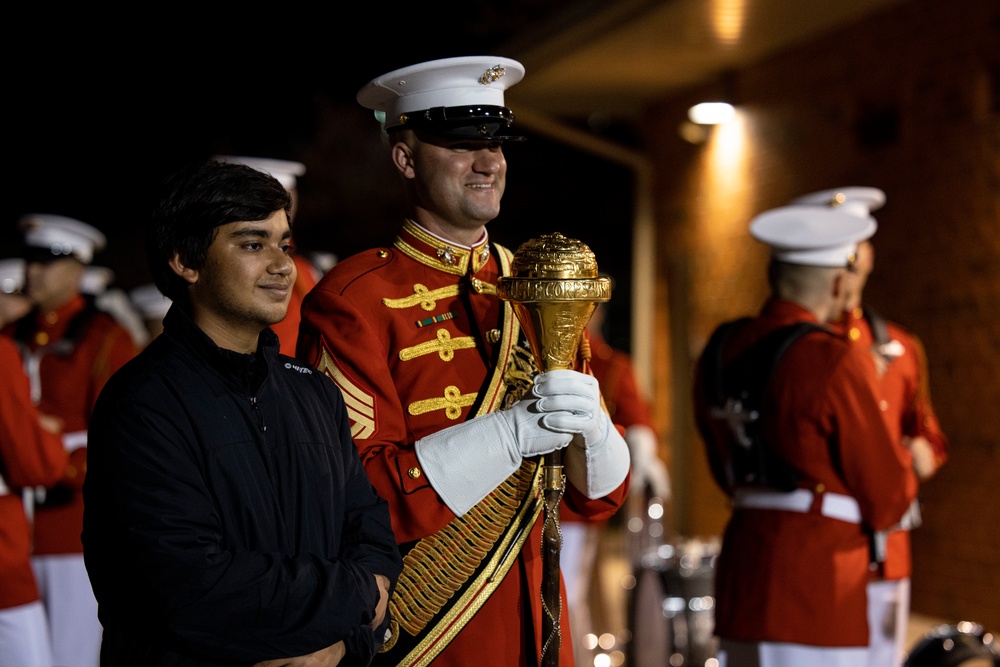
point(648, 469)
point(465, 462)
point(597, 460)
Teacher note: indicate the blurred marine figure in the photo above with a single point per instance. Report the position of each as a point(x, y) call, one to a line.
point(788, 411)
point(70, 348)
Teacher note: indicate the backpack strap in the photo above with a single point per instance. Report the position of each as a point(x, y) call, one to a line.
point(736, 391)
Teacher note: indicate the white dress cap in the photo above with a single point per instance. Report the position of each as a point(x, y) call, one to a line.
point(285, 172)
point(11, 275)
point(62, 236)
point(96, 280)
point(857, 200)
point(471, 87)
point(812, 235)
point(149, 301)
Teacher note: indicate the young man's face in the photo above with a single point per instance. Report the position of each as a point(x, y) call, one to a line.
point(246, 282)
point(460, 181)
point(53, 283)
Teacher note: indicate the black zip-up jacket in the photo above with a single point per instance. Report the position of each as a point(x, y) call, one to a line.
point(228, 518)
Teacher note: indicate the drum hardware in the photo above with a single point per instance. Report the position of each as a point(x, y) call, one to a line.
point(671, 610)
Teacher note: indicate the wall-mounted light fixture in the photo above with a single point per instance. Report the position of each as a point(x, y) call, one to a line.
point(717, 110)
point(711, 113)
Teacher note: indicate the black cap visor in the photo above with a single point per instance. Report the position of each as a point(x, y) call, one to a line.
point(481, 123)
point(38, 255)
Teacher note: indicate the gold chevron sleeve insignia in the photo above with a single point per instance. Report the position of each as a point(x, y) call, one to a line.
point(360, 404)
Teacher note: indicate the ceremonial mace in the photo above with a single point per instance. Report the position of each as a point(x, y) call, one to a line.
point(554, 289)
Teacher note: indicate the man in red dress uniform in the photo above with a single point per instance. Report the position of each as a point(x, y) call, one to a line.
point(70, 349)
point(31, 454)
point(822, 476)
point(906, 405)
point(438, 382)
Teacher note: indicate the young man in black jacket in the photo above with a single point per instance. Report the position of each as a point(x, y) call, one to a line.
point(229, 520)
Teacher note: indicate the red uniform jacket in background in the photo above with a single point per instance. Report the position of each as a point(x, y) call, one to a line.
point(29, 456)
point(905, 401)
point(74, 362)
point(785, 576)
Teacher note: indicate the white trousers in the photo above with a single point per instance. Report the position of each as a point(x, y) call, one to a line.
point(24, 636)
point(71, 609)
point(888, 616)
point(576, 561)
point(772, 654)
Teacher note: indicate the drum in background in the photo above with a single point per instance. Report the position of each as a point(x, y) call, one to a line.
point(965, 643)
point(672, 605)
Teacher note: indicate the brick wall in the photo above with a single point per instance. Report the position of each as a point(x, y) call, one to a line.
point(907, 100)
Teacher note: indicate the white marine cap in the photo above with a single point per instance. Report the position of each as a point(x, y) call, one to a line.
point(11, 275)
point(149, 301)
point(452, 97)
point(61, 237)
point(857, 200)
point(96, 280)
point(285, 171)
point(812, 235)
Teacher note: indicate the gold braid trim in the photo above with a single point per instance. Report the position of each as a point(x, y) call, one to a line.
point(448, 576)
point(452, 403)
point(443, 564)
point(440, 565)
point(443, 344)
point(423, 297)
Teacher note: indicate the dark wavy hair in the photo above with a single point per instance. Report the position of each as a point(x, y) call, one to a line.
point(193, 202)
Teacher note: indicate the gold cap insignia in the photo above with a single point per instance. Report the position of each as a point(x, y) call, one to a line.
point(492, 74)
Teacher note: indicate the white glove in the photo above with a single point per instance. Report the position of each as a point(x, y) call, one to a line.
point(648, 469)
point(465, 462)
point(597, 460)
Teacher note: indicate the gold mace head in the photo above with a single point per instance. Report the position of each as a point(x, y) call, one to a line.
point(554, 289)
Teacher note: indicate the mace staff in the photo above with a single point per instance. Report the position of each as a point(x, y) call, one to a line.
point(554, 288)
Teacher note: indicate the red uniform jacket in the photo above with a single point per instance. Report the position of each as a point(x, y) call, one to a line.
point(412, 335)
point(785, 576)
point(75, 357)
point(29, 456)
point(905, 401)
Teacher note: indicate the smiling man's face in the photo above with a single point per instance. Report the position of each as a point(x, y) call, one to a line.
point(246, 281)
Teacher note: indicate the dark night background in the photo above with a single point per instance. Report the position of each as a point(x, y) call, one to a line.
point(98, 114)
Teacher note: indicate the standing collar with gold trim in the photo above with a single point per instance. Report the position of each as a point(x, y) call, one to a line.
point(416, 242)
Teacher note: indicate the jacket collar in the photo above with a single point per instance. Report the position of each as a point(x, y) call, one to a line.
point(178, 324)
point(417, 243)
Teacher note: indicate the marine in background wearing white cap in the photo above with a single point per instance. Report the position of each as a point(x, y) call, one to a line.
point(792, 571)
point(906, 404)
point(425, 353)
point(309, 267)
point(31, 454)
point(70, 348)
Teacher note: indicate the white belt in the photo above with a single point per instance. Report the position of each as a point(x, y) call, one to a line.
point(832, 505)
point(4, 489)
point(74, 440)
